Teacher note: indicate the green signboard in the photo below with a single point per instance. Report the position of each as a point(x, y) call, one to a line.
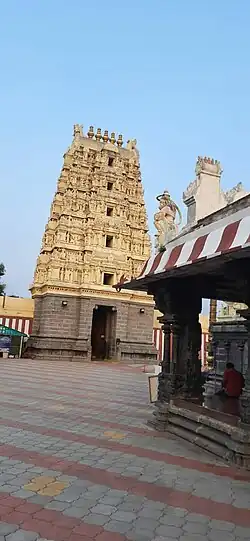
point(10, 332)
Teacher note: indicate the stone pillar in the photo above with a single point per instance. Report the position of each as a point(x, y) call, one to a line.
point(179, 354)
point(245, 397)
point(182, 375)
point(181, 317)
point(166, 328)
point(160, 416)
point(193, 367)
point(176, 330)
point(241, 348)
point(227, 346)
point(164, 378)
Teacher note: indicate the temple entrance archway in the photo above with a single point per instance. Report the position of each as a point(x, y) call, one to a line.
point(103, 333)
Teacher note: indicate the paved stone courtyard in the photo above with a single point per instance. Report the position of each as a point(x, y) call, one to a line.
point(78, 463)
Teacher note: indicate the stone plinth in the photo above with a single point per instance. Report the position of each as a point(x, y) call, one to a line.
point(219, 433)
point(63, 332)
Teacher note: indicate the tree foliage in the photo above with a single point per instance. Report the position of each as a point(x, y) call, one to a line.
point(2, 273)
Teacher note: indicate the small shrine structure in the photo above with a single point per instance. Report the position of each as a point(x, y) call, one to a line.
point(209, 258)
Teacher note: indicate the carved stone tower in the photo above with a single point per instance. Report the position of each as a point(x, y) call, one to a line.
point(97, 232)
point(204, 195)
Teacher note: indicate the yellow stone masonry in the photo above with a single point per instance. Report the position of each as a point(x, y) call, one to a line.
point(97, 230)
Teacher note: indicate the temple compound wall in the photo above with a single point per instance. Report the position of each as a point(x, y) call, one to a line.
point(96, 235)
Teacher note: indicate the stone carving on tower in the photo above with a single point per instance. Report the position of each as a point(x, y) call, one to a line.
point(164, 220)
point(97, 231)
point(229, 311)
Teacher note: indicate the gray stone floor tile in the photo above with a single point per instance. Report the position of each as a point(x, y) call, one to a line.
point(102, 509)
point(150, 513)
point(194, 537)
point(172, 520)
point(57, 506)
point(221, 525)
point(160, 538)
point(241, 532)
point(40, 500)
point(143, 523)
point(77, 512)
point(139, 535)
point(118, 526)
point(154, 505)
point(25, 494)
point(22, 535)
point(133, 507)
point(114, 502)
point(220, 535)
point(124, 516)
point(195, 528)
point(193, 517)
point(95, 518)
point(6, 528)
point(170, 531)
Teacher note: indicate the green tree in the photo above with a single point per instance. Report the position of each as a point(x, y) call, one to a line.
point(2, 273)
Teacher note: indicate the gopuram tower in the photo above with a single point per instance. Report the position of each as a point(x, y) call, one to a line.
point(97, 232)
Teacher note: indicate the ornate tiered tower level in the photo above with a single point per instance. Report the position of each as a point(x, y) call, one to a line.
point(97, 232)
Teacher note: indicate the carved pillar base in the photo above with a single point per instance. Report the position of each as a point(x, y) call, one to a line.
point(165, 387)
point(195, 387)
point(160, 415)
point(165, 390)
point(169, 386)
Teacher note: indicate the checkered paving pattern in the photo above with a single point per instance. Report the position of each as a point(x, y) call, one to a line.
point(79, 463)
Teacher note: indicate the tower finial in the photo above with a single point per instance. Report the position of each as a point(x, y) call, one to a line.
point(98, 134)
point(106, 136)
point(112, 138)
point(91, 132)
point(209, 165)
point(119, 141)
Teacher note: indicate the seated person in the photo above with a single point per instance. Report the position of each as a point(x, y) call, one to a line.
point(233, 382)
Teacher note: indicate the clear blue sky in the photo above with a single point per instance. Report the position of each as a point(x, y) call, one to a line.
point(172, 73)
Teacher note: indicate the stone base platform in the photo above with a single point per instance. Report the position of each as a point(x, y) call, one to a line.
point(57, 349)
point(66, 327)
point(136, 353)
point(220, 433)
point(74, 350)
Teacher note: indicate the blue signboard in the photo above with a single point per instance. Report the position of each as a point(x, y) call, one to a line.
point(5, 342)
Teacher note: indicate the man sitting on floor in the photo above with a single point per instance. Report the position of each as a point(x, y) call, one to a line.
point(233, 382)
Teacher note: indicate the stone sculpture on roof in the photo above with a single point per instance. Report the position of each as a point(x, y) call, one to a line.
point(164, 220)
